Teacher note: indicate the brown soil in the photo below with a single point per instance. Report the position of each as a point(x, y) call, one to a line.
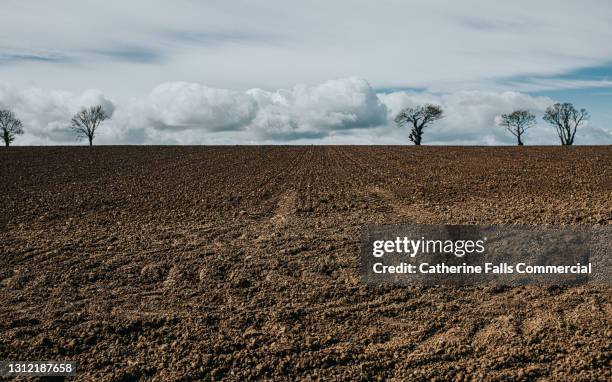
point(167, 263)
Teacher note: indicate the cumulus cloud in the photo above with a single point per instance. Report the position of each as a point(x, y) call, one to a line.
point(342, 111)
point(317, 111)
point(46, 114)
point(470, 116)
point(187, 111)
point(182, 105)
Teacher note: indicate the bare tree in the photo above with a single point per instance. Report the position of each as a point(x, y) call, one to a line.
point(10, 126)
point(517, 122)
point(418, 118)
point(86, 122)
point(566, 120)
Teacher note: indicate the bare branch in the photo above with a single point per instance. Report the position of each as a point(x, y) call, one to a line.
point(419, 117)
point(566, 120)
point(517, 123)
point(86, 122)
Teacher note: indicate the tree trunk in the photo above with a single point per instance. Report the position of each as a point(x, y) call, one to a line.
point(520, 142)
point(565, 141)
point(567, 136)
point(418, 135)
point(90, 141)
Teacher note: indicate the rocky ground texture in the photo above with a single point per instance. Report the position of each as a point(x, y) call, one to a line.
point(237, 263)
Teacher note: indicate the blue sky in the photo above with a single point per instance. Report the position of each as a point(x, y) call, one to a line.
point(272, 71)
point(597, 100)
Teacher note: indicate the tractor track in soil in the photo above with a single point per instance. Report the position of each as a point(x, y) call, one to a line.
point(241, 263)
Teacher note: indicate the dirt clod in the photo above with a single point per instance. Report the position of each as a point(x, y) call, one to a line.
point(241, 263)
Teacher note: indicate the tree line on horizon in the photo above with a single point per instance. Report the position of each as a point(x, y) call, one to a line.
point(564, 117)
point(84, 124)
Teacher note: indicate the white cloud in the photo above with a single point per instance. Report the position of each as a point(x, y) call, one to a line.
point(342, 111)
point(182, 105)
point(471, 118)
point(544, 84)
point(317, 111)
point(470, 115)
point(443, 46)
point(187, 112)
point(439, 44)
point(46, 114)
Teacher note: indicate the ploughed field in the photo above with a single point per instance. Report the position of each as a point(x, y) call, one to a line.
point(236, 263)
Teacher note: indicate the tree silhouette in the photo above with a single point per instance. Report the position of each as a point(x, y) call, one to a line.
point(517, 122)
point(10, 126)
point(86, 122)
point(418, 118)
point(566, 120)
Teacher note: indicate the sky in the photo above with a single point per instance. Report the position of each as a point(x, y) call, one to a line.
point(296, 72)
